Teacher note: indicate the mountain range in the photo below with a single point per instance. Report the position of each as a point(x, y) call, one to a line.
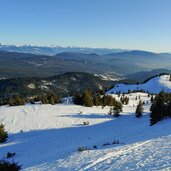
point(52, 50)
point(111, 65)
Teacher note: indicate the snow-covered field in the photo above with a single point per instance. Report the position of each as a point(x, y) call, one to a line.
point(154, 85)
point(46, 137)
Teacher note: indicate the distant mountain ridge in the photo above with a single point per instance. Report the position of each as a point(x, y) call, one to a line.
point(15, 64)
point(143, 75)
point(52, 50)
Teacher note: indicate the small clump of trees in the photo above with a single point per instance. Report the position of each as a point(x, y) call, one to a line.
point(9, 166)
point(47, 98)
point(6, 165)
point(16, 101)
point(89, 99)
point(160, 108)
point(124, 100)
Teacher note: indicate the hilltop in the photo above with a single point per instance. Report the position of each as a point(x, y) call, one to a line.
point(154, 85)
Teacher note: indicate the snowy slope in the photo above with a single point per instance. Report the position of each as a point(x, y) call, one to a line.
point(155, 85)
point(46, 137)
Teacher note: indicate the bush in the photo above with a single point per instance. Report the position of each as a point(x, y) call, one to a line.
point(80, 149)
point(105, 144)
point(95, 146)
point(3, 134)
point(9, 155)
point(80, 112)
point(9, 166)
point(86, 123)
point(116, 142)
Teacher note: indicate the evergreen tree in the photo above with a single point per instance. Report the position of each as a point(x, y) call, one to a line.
point(51, 101)
point(139, 109)
point(110, 111)
point(169, 109)
point(126, 100)
point(152, 98)
point(87, 98)
point(3, 134)
point(55, 98)
point(11, 102)
point(78, 99)
point(170, 77)
point(97, 100)
point(159, 108)
point(9, 166)
point(43, 99)
point(117, 108)
point(108, 100)
point(18, 101)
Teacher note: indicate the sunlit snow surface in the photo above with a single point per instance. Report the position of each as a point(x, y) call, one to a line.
point(154, 85)
point(46, 137)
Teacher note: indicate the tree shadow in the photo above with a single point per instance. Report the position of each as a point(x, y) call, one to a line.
point(88, 116)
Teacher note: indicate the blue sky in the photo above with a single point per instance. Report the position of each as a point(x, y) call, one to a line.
point(128, 24)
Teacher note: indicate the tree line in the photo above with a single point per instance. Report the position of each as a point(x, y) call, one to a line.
point(17, 100)
point(89, 99)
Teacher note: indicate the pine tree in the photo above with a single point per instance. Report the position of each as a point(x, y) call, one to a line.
point(55, 98)
point(3, 134)
point(88, 98)
point(11, 102)
point(19, 101)
point(78, 99)
point(126, 100)
point(169, 110)
point(110, 111)
point(129, 91)
point(97, 100)
point(152, 98)
point(139, 109)
point(159, 108)
point(52, 102)
point(170, 77)
point(44, 99)
point(122, 99)
point(117, 108)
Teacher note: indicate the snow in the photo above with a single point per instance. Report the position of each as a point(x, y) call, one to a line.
point(155, 85)
point(46, 137)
